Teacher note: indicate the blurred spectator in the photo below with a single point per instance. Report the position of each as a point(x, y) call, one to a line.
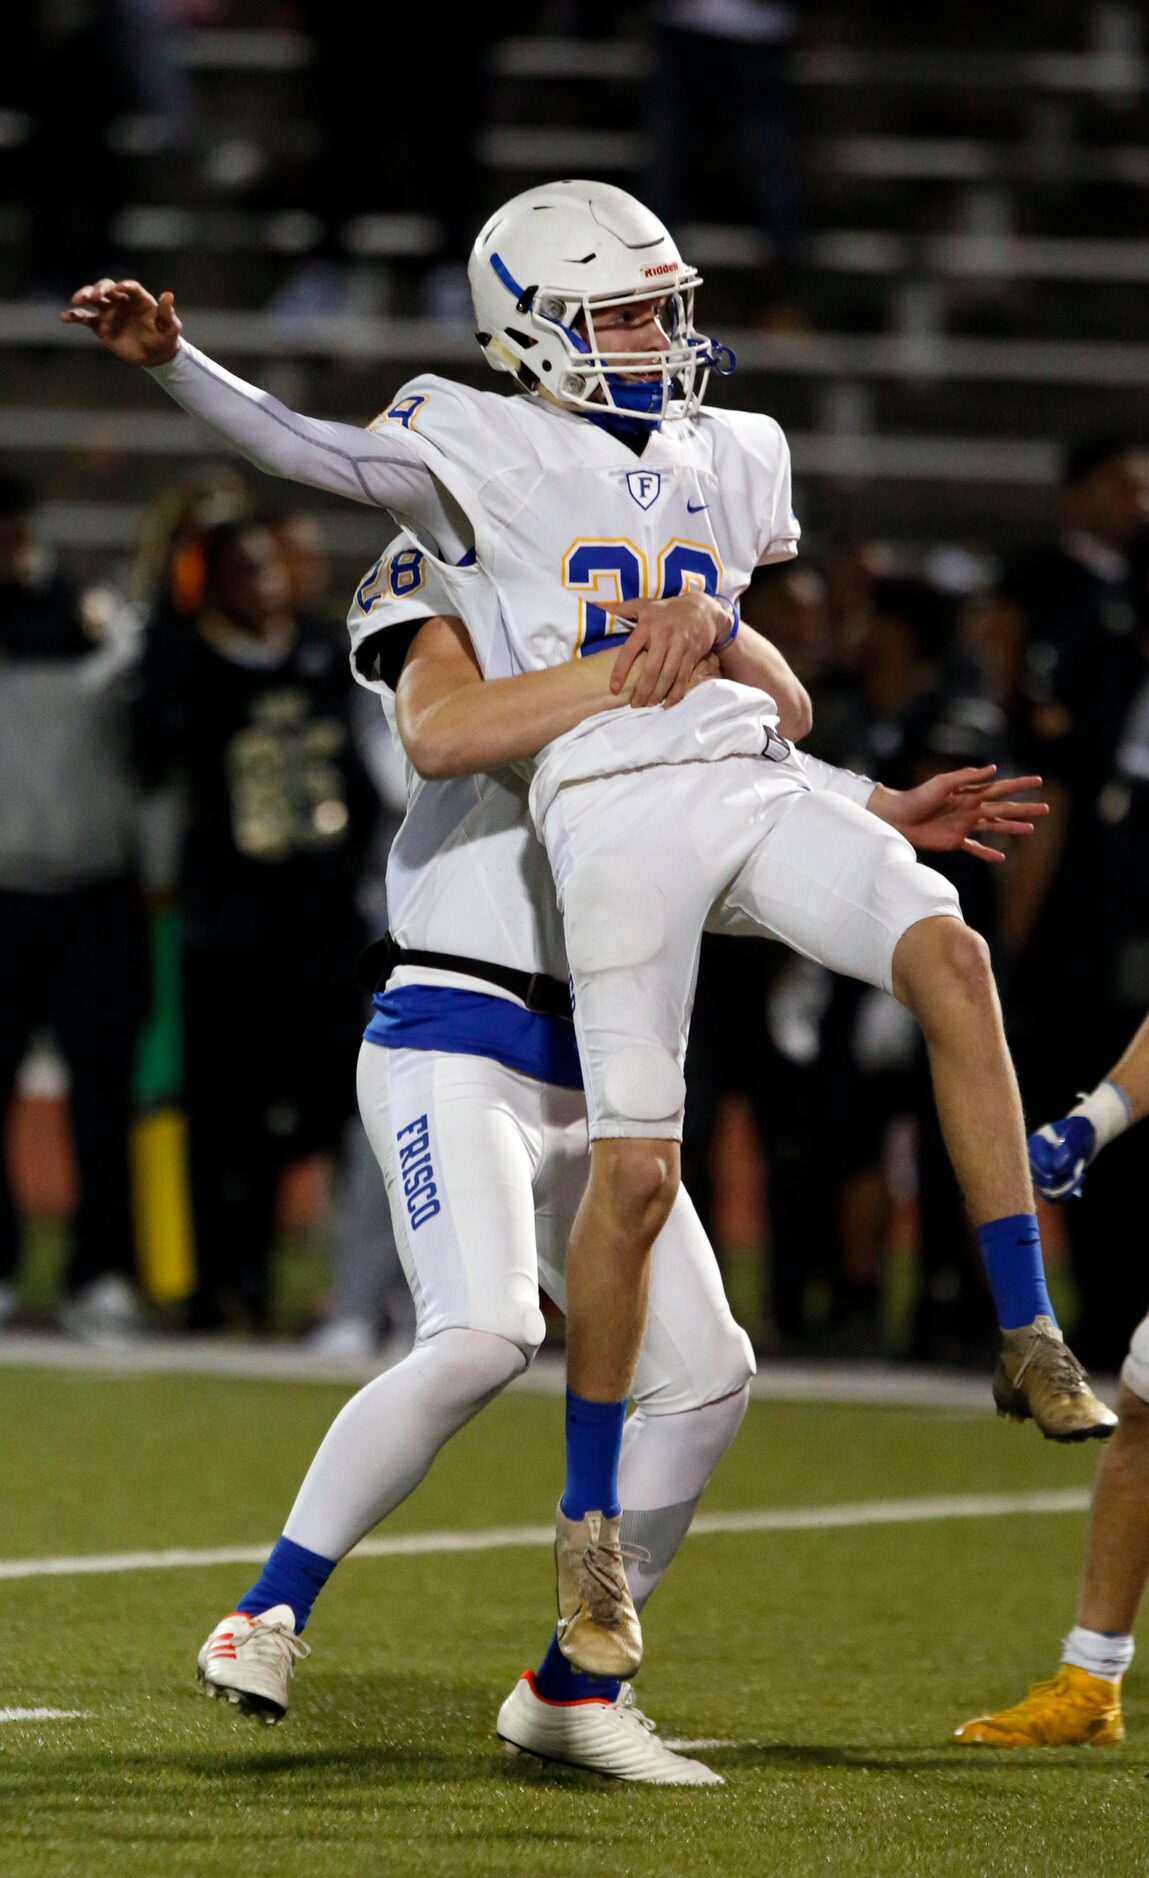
point(827, 1065)
point(719, 98)
point(72, 928)
point(911, 706)
point(921, 709)
point(167, 575)
point(1080, 616)
point(251, 708)
point(369, 1302)
point(299, 538)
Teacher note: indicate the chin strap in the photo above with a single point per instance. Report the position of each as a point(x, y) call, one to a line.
point(642, 396)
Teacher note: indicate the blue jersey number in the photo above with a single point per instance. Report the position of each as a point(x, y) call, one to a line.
point(619, 571)
point(400, 575)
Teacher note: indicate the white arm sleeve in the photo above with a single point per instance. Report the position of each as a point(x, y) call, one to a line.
point(835, 781)
point(381, 468)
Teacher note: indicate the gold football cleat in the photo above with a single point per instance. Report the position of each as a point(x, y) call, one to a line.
point(1072, 1709)
point(598, 1628)
point(1038, 1376)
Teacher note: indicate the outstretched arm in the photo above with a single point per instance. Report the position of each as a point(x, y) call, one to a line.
point(944, 813)
point(1131, 1072)
point(379, 468)
point(1060, 1152)
point(947, 812)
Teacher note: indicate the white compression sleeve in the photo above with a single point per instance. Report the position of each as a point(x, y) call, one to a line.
point(381, 1444)
point(666, 1463)
point(381, 468)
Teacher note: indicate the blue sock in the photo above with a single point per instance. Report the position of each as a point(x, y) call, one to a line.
point(594, 1438)
point(292, 1576)
point(1011, 1249)
point(556, 1680)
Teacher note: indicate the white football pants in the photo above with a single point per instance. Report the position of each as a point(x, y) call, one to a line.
point(645, 861)
point(485, 1169)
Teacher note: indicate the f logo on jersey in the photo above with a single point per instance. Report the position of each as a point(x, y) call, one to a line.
point(645, 486)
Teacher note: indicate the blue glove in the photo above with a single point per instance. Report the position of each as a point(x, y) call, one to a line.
point(1059, 1154)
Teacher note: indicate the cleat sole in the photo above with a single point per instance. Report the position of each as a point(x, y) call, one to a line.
point(259, 1707)
point(1101, 1431)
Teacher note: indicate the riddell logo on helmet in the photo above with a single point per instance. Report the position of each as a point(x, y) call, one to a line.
point(667, 267)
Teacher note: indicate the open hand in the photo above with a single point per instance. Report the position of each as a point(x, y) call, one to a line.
point(948, 811)
point(676, 635)
point(125, 318)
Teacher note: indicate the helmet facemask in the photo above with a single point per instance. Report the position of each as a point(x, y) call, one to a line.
point(636, 384)
point(554, 357)
point(548, 267)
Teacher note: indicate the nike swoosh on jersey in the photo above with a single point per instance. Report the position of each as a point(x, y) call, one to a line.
point(695, 508)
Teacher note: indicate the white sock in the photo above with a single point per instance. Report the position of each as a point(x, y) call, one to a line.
point(1098, 1652)
point(666, 1462)
point(1109, 1109)
point(379, 1447)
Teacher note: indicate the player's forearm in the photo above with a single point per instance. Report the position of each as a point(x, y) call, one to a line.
point(486, 724)
point(883, 803)
point(341, 458)
point(1131, 1072)
point(752, 659)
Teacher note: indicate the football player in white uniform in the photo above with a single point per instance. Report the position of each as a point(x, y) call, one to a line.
point(470, 1090)
point(607, 489)
point(1081, 1704)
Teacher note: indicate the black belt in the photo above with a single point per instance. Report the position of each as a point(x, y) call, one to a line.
point(550, 996)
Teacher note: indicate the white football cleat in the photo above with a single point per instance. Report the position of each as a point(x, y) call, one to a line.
point(612, 1738)
point(251, 1660)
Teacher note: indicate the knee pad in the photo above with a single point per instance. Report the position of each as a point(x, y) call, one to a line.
point(612, 919)
point(526, 1326)
point(469, 1367)
point(734, 1363)
point(715, 1367)
point(513, 1316)
point(643, 1083)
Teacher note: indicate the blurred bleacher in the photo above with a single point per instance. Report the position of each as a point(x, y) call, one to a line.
point(969, 291)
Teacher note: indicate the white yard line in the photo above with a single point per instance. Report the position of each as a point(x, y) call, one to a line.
point(679, 1743)
point(44, 1714)
point(895, 1385)
point(497, 1538)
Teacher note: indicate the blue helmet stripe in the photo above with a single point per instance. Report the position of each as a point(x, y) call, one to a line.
point(507, 278)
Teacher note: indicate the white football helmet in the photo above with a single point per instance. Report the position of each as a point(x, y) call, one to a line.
point(547, 261)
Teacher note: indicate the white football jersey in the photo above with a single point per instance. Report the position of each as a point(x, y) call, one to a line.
point(561, 516)
point(567, 517)
point(466, 875)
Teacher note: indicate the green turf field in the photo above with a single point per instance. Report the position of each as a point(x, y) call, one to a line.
point(836, 1662)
